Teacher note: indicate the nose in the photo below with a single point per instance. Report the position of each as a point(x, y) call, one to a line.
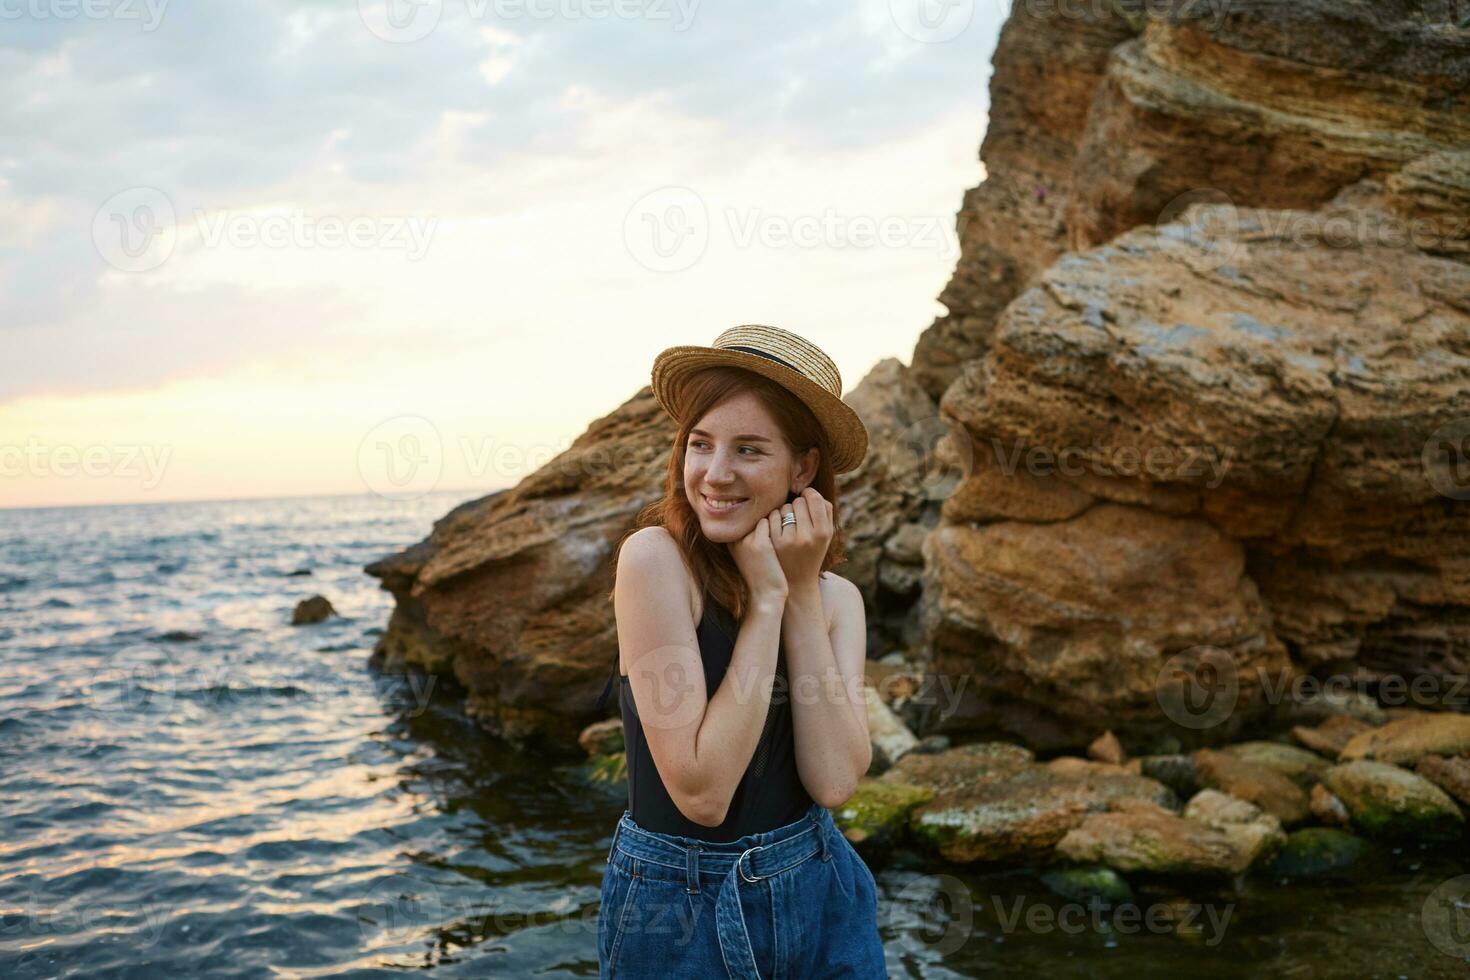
point(720, 471)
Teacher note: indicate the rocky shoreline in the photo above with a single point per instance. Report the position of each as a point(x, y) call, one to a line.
point(1307, 802)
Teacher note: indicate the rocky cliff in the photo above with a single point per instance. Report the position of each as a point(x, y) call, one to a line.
point(1201, 399)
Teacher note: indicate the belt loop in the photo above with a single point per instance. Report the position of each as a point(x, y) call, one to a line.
point(614, 845)
point(692, 853)
point(822, 834)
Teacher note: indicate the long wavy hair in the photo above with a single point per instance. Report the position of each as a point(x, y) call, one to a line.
point(711, 563)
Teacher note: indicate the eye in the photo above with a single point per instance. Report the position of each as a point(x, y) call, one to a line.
point(700, 442)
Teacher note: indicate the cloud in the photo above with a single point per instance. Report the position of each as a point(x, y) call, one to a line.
point(250, 107)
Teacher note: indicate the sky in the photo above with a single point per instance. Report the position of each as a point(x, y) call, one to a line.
point(257, 248)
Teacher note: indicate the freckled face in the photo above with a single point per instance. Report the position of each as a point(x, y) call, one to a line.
point(736, 453)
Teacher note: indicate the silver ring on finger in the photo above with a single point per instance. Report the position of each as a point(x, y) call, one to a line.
point(788, 517)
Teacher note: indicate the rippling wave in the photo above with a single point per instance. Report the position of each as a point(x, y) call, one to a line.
point(191, 787)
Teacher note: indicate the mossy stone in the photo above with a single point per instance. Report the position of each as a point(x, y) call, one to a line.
point(1085, 884)
point(875, 816)
point(1315, 851)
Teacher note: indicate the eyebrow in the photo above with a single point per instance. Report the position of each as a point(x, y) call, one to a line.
point(748, 437)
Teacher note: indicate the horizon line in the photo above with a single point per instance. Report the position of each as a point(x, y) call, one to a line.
point(4, 508)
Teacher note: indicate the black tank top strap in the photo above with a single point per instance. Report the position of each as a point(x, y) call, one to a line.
point(611, 680)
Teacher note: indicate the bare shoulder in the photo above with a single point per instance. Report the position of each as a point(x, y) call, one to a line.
point(655, 546)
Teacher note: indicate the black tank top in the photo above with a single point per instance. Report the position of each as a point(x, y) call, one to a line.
point(770, 793)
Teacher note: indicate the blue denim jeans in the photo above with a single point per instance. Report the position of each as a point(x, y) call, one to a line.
point(794, 902)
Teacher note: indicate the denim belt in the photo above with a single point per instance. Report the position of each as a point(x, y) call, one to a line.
point(740, 866)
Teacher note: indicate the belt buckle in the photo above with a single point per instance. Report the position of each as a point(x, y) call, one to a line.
point(740, 863)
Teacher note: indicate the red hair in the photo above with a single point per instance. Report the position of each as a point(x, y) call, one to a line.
point(713, 567)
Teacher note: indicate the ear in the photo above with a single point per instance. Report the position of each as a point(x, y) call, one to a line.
point(806, 470)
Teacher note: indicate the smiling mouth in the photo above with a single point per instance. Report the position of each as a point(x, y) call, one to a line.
point(725, 508)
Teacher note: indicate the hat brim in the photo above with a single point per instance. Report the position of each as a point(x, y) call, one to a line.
point(846, 434)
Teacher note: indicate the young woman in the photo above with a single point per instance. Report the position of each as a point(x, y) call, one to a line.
point(741, 662)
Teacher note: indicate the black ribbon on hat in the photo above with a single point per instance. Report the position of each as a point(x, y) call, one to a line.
point(761, 353)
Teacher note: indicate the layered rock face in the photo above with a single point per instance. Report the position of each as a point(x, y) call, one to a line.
point(508, 594)
point(1201, 402)
point(1223, 428)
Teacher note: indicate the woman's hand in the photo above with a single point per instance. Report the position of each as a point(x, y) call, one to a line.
point(755, 555)
point(802, 547)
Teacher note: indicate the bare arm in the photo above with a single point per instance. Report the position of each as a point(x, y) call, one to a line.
point(700, 746)
point(829, 710)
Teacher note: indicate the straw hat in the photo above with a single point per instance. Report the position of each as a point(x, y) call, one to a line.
point(794, 362)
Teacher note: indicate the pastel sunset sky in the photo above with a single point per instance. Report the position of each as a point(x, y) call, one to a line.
point(256, 248)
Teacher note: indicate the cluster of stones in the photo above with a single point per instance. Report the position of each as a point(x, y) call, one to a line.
point(1302, 804)
point(1309, 801)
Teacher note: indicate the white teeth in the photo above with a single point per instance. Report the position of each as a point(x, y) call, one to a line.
point(727, 505)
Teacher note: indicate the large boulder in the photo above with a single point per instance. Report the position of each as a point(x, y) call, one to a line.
point(1235, 362)
point(1153, 840)
point(1332, 735)
point(1389, 802)
point(876, 817)
point(1266, 787)
point(1021, 816)
point(1302, 767)
point(1450, 775)
point(1405, 741)
point(1189, 290)
point(1259, 831)
point(1228, 97)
